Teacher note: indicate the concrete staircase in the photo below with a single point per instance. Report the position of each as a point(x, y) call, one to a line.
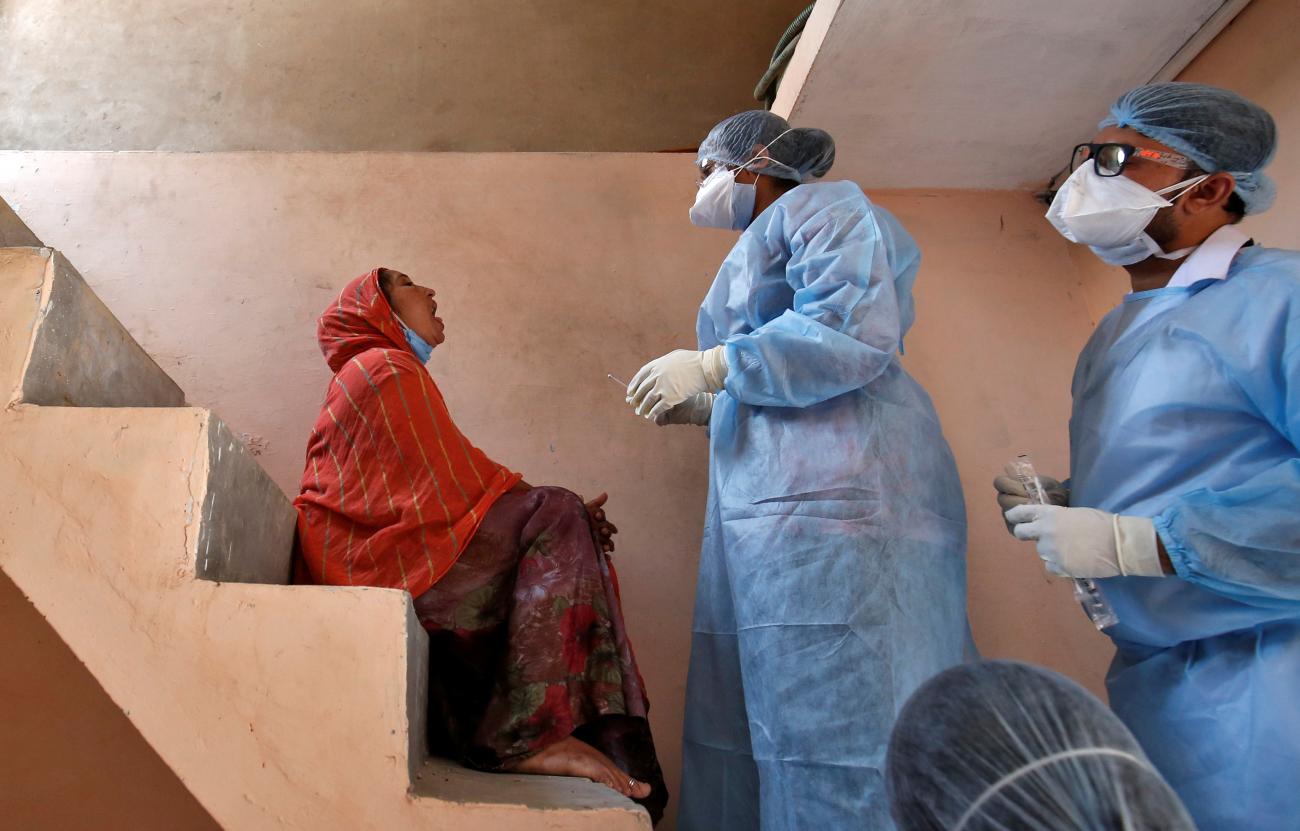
point(158, 549)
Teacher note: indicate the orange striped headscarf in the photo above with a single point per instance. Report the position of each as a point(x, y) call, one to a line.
point(393, 491)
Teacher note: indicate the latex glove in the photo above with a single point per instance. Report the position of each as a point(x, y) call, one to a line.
point(1011, 493)
point(695, 410)
point(1085, 542)
point(668, 381)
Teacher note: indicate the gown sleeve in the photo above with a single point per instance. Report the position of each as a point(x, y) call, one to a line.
point(1244, 541)
point(844, 326)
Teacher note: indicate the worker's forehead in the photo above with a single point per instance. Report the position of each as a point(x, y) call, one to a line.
point(1127, 135)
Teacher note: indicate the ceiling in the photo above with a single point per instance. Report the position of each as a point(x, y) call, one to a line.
point(481, 75)
point(987, 94)
point(918, 93)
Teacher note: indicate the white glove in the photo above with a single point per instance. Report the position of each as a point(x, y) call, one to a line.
point(1011, 492)
point(668, 381)
point(695, 410)
point(1085, 542)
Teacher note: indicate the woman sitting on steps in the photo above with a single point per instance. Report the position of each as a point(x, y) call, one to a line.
point(530, 666)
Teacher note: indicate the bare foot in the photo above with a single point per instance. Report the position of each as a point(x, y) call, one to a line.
point(571, 757)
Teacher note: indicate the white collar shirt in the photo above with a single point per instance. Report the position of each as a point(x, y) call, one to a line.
point(1211, 259)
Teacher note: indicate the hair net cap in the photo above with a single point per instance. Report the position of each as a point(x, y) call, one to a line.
point(998, 745)
point(1216, 128)
point(784, 152)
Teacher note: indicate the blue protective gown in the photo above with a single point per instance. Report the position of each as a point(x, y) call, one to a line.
point(832, 576)
point(1187, 410)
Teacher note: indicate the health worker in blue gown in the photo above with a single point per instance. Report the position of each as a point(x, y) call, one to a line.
point(832, 577)
point(1184, 495)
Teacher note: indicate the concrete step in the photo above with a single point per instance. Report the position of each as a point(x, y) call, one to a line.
point(156, 546)
point(78, 355)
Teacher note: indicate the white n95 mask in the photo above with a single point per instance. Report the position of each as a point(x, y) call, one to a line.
point(722, 202)
point(1137, 251)
point(1110, 214)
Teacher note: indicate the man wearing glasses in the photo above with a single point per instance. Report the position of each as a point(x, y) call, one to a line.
point(1184, 496)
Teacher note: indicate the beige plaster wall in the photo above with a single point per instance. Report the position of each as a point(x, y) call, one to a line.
point(554, 270)
point(1000, 321)
point(398, 75)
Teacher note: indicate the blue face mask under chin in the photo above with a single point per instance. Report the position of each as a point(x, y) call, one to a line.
point(423, 349)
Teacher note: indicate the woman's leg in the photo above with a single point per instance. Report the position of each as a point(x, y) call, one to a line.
point(464, 614)
point(529, 645)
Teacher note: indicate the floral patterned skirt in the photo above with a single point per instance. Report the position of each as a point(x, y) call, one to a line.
point(528, 645)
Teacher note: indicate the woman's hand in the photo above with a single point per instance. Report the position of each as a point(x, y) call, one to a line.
point(600, 525)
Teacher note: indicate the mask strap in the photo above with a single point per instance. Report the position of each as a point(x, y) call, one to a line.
point(1176, 255)
point(1182, 187)
point(760, 155)
point(764, 150)
point(1040, 763)
point(1186, 186)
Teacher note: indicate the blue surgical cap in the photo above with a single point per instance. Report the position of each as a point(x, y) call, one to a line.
point(1216, 128)
point(795, 153)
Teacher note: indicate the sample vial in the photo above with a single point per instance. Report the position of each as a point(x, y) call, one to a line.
point(1085, 589)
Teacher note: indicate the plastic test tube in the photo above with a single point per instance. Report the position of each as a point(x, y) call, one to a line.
point(1085, 589)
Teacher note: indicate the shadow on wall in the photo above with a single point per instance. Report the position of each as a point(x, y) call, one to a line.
point(490, 75)
point(71, 758)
